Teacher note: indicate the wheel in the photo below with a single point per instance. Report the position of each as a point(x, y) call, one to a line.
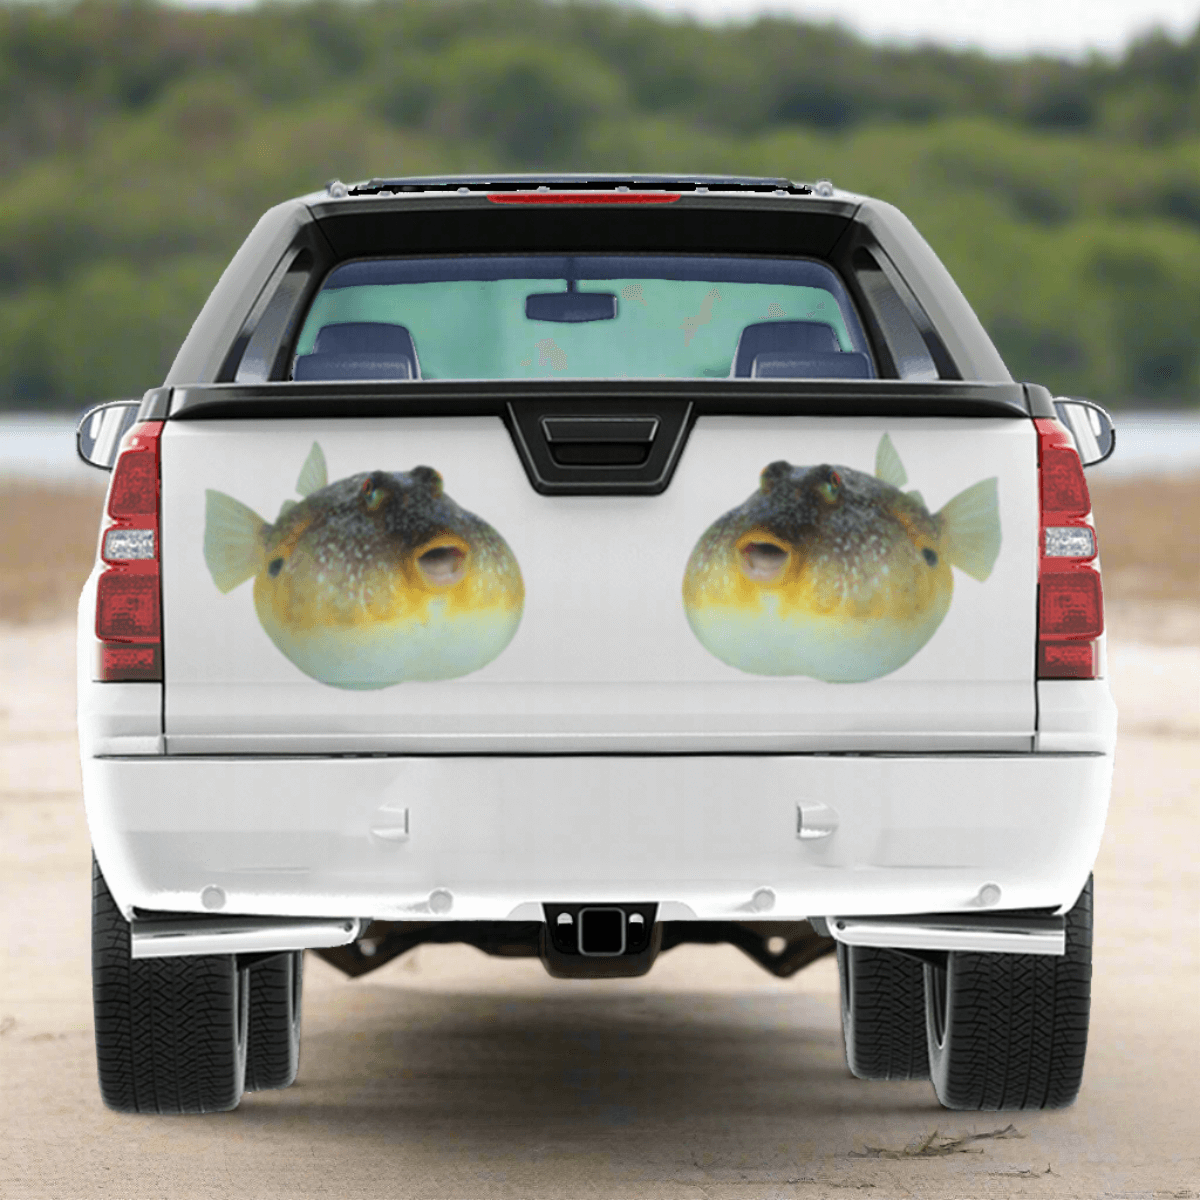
point(883, 1013)
point(1010, 1030)
point(273, 1046)
point(170, 1032)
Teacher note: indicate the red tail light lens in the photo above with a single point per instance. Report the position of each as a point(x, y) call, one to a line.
point(128, 592)
point(1067, 660)
point(127, 605)
point(1070, 597)
point(134, 491)
point(130, 663)
point(1064, 489)
point(1071, 605)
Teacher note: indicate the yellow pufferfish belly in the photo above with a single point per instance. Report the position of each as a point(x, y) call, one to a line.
point(383, 624)
point(824, 617)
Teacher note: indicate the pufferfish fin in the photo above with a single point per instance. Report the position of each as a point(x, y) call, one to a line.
point(888, 467)
point(971, 529)
point(914, 495)
point(313, 475)
point(232, 546)
point(285, 508)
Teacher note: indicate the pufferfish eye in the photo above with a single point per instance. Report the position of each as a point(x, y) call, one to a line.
point(372, 496)
point(830, 489)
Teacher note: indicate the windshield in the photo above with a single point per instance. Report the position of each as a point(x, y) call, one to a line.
point(582, 316)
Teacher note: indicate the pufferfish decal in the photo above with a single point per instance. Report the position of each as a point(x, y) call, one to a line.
point(832, 573)
point(372, 580)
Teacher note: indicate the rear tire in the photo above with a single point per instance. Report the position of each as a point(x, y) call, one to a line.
point(170, 1032)
point(273, 1049)
point(883, 1013)
point(1010, 1030)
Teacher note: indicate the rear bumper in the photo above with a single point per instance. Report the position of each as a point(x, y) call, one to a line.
point(721, 837)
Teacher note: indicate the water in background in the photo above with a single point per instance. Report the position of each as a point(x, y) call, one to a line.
point(34, 445)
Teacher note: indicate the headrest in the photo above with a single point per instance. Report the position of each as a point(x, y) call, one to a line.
point(795, 339)
point(373, 338)
point(351, 366)
point(360, 350)
point(849, 365)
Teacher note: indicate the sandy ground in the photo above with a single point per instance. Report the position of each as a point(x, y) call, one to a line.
point(449, 1074)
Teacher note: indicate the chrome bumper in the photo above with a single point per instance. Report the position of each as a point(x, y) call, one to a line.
point(986, 935)
point(187, 936)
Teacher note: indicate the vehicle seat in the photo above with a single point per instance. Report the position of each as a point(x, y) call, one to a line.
point(843, 365)
point(789, 339)
point(360, 350)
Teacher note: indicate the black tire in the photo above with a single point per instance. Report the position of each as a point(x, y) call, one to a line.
point(883, 1013)
point(273, 1045)
point(170, 1032)
point(1010, 1030)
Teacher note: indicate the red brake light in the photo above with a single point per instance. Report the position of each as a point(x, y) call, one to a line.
point(584, 197)
point(128, 596)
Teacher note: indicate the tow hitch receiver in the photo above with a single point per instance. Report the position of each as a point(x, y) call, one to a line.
point(600, 941)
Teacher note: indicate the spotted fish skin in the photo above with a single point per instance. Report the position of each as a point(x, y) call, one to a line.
point(831, 573)
point(376, 579)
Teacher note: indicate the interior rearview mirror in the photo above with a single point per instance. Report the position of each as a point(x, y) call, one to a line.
point(1091, 428)
point(100, 430)
point(571, 306)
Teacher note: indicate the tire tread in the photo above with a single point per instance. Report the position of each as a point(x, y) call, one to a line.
point(1017, 1024)
point(273, 1046)
point(884, 1027)
point(166, 1039)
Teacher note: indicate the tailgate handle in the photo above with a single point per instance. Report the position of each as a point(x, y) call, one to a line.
point(599, 441)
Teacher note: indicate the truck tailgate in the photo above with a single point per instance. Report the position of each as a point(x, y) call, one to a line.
point(611, 653)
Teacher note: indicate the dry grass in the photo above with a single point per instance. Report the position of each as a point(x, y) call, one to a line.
point(1149, 532)
point(1149, 535)
point(47, 546)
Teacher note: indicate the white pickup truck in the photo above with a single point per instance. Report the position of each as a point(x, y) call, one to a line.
point(575, 567)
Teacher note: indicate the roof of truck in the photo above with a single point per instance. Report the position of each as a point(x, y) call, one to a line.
point(482, 186)
point(578, 181)
point(626, 211)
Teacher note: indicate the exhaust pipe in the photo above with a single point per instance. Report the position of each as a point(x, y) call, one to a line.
point(186, 936)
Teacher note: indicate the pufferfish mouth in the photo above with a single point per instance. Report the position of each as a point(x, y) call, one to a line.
point(443, 566)
point(761, 560)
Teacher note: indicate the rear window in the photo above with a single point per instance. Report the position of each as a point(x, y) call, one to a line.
point(585, 316)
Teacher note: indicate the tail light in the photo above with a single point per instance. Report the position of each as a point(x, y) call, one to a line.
point(129, 593)
point(1070, 597)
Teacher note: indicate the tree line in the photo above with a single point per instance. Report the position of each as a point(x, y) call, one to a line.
point(140, 142)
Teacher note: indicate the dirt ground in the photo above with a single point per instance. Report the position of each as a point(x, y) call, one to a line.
point(450, 1074)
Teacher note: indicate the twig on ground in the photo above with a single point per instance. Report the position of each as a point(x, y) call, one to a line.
point(935, 1144)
